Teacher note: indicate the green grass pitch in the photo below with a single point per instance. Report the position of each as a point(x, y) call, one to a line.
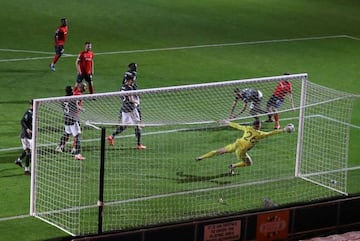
point(174, 43)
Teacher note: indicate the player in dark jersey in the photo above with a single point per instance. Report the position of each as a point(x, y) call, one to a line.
point(26, 138)
point(78, 89)
point(71, 125)
point(247, 96)
point(59, 42)
point(133, 71)
point(129, 114)
point(85, 66)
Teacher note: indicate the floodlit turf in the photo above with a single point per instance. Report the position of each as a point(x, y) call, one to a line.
point(174, 43)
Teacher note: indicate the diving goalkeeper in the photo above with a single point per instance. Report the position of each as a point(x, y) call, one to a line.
point(241, 146)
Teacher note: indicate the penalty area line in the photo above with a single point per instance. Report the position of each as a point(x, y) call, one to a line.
point(176, 48)
point(14, 217)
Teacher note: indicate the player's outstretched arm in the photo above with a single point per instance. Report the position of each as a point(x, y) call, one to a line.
point(242, 109)
point(288, 128)
point(231, 124)
point(231, 115)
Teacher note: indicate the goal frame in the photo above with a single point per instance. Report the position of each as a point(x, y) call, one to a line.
point(300, 130)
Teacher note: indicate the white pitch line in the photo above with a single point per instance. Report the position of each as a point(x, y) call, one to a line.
point(15, 217)
point(226, 44)
point(184, 129)
point(340, 122)
point(25, 51)
point(352, 37)
point(176, 48)
point(34, 58)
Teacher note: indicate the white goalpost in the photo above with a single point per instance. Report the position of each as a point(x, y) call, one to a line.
point(118, 187)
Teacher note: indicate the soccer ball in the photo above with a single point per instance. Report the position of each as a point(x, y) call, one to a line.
point(290, 128)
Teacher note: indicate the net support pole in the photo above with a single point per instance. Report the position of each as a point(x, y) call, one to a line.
point(301, 124)
point(101, 181)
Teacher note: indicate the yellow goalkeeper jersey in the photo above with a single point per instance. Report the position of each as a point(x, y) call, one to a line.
point(251, 136)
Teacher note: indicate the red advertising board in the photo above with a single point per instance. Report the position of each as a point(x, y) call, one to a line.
point(272, 226)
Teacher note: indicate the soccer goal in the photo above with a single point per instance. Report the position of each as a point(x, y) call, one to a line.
point(120, 187)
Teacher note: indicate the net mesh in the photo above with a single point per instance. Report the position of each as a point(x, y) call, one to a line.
point(163, 183)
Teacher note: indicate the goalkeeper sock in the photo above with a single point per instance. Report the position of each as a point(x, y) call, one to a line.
point(240, 164)
point(209, 154)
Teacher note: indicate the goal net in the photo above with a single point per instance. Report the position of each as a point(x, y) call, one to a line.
point(164, 183)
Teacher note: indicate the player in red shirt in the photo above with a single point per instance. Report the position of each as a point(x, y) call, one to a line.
point(85, 66)
point(282, 89)
point(79, 89)
point(59, 42)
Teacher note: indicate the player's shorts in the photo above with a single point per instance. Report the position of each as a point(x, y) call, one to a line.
point(130, 118)
point(255, 106)
point(26, 143)
point(240, 148)
point(74, 129)
point(240, 154)
point(256, 102)
point(275, 102)
point(81, 77)
point(59, 49)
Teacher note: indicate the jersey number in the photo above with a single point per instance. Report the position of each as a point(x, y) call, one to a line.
point(249, 137)
point(66, 108)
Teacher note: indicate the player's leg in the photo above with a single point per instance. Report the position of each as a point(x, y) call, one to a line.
point(64, 139)
point(19, 159)
point(74, 150)
point(59, 50)
point(27, 147)
point(76, 133)
point(125, 118)
point(277, 121)
point(79, 80)
point(77, 153)
point(276, 115)
point(118, 130)
point(255, 110)
point(77, 146)
point(27, 161)
point(135, 117)
point(139, 111)
point(89, 80)
point(227, 149)
point(245, 160)
point(270, 108)
point(138, 138)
